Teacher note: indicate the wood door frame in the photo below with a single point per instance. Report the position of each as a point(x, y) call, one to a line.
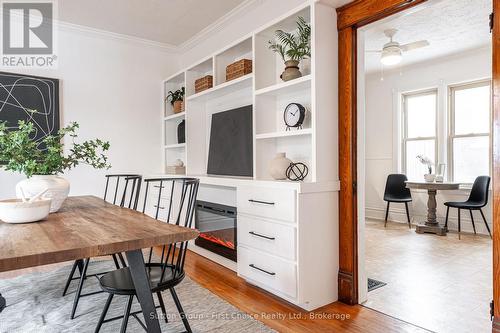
point(351, 17)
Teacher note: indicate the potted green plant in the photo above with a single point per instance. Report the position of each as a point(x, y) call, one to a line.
point(176, 98)
point(42, 161)
point(293, 47)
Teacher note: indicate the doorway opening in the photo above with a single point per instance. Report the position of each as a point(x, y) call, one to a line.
point(424, 111)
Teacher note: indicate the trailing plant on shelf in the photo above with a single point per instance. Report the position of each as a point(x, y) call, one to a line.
point(293, 47)
point(176, 98)
point(42, 161)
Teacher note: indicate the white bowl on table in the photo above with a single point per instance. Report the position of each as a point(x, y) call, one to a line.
point(17, 211)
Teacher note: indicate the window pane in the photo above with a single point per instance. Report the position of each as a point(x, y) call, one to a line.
point(421, 115)
point(470, 158)
point(472, 110)
point(414, 169)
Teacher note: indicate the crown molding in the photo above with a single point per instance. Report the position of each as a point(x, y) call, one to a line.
point(66, 26)
point(218, 24)
point(115, 36)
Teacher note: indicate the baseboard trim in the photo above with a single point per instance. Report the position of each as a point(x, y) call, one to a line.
point(347, 293)
point(399, 216)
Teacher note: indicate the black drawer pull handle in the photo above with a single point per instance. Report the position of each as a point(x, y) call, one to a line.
point(261, 202)
point(261, 236)
point(262, 270)
point(160, 207)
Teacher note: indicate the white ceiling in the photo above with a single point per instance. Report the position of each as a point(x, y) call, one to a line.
point(166, 21)
point(451, 26)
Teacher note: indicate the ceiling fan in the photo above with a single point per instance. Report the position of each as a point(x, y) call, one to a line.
point(392, 52)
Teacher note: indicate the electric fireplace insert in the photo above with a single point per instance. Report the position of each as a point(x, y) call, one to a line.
point(217, 226)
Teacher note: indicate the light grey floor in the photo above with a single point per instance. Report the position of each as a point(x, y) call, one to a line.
point(440, 283)
point(35, 304)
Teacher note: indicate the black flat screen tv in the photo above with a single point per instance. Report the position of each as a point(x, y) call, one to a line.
point(231, 143)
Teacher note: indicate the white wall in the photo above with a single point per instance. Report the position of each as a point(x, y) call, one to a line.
point(382, 118)
point(112, 87)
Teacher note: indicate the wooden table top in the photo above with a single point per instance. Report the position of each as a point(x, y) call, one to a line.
point(433, 185)
point(84, 227)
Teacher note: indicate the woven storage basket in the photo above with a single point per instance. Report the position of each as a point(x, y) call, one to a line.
point(238, 69)
point(203, 83)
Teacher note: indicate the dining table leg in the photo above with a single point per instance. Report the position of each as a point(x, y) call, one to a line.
point(431, 224)
point(143, 289)
point(3, 303)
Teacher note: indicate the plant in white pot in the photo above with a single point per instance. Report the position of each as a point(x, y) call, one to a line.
point(42, 161)
point(293, 47)
point(429, 177)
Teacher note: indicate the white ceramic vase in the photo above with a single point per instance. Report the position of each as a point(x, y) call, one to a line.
point(278, 166)
point(57, 189)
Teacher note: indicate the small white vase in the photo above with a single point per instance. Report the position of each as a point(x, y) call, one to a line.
point(429, 178)
point(57, 189)
point(278, 166)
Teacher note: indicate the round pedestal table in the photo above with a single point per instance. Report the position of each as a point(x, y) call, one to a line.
point(431, 225)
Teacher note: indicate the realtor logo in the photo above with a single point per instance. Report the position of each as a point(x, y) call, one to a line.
point(28, 34)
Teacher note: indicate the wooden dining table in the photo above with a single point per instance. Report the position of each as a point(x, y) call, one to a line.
point(85, 227)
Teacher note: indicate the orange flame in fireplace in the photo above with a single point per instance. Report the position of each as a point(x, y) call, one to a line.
point(217, 240)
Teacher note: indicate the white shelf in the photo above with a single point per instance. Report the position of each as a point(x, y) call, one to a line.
point(301, 83)
point(223, 89)
point(175, 116)
point(230, 181)
point(176, 146)
point(283, 134)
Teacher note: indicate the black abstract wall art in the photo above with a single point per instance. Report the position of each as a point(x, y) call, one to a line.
point(30, 98)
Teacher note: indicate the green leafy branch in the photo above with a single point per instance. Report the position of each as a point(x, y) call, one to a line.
point(21, 153)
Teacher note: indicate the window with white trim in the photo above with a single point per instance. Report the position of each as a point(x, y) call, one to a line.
point(419, 131)
point(469, 128)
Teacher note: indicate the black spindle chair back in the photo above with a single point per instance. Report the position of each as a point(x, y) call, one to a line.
point(181, 194)
point(124, 189)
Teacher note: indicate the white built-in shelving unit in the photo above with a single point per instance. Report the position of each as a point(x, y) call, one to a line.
point(269, 96)
point(301, 218)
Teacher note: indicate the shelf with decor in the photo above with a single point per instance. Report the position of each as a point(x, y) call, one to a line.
point(223, 89)
point(175, 83)
point(273, 135)
point(270, 65)
point(234, 62)
point(201, 76)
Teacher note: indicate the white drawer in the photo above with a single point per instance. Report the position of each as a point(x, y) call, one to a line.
point(269, 272)
point(274, 238)
point(273, 203)
point(162, 211)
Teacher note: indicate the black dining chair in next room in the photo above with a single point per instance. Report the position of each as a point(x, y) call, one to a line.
point(478, 198)
point(396, 191)
point(120, 190)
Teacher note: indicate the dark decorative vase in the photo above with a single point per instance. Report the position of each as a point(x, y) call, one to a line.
point(181, 132)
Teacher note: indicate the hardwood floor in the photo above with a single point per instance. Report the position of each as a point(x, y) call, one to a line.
point(438, 282)
point(275, 313)
point(282, 316)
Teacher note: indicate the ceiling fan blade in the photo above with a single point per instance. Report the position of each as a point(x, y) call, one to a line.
point(414, 45)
